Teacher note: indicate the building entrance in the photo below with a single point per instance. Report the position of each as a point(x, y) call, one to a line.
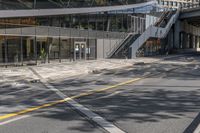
point(80, 50)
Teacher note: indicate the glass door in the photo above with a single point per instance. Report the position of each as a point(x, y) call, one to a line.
point(80, 50)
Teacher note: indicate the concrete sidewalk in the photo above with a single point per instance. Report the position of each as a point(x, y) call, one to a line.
point(55, 71)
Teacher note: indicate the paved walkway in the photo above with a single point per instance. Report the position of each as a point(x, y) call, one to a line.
point(56, 71)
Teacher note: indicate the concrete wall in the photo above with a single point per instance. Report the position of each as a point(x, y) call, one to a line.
point(105, 46)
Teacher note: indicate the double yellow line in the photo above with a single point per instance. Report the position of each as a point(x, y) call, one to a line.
point(28, 110)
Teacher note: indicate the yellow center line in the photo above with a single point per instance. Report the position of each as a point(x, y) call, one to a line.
point(31, 109)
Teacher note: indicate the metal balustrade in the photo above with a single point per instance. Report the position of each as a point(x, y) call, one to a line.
point(190, 6)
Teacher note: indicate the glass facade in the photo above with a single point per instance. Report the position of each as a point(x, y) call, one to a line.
point(71, 37)
point(65, 37)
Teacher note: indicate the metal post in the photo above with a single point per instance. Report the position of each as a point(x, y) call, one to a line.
point(48, 42)
point(35, 47)
point(88, 36)
point(21, 47)
point(71, 46)
point(59, 40)
point(122, 21)
point(116, 24)
point(48, 50)
point(34, 4)
point(6, 50)
point(103, 32)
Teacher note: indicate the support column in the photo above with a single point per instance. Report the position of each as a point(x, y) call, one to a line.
point(198, 46)
point(6, 50)
point(191, 41)
point(48, 49)
point(188, 41)
point(59, 42)
point(177, 28)
point(34, 4)
point(185, 41)
point(21, 50)
point(35, 49)
point(197, 43)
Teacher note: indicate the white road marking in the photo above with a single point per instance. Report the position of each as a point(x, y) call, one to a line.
point(110, 95)
point(197, 130)
point(111, 128)
point(196, 67)
point(14, 119)
point(14, 92)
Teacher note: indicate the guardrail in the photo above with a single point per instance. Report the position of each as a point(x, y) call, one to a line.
point(190, 6)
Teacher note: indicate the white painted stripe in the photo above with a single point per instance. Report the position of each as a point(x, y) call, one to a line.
point(111, 128)
point(197, 130)
point(14, 119)
point(196, 67)
point(14, 92)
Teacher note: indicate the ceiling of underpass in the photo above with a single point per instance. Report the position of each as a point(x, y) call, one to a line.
point(194, 21)
point(191, 15)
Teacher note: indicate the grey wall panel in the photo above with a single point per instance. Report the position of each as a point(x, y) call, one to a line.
point(100, 51)
point(105, 46)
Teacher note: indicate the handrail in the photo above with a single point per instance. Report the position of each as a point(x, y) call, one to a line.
point(160, 19)
point(117, 44)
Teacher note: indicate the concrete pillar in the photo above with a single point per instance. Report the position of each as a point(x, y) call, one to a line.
point(28, 47)
point(186, 42)
point(170, 37)
point(177, 29)
point(197, 43)
point(194, 41)
point(191, 41)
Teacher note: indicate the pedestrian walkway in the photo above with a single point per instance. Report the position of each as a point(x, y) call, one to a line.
point(55, 71)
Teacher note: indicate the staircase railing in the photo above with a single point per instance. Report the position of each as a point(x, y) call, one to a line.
point(153, 31)
point(117, 44)
point(157, 23)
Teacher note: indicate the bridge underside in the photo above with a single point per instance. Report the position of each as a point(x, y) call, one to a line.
point(189, 29)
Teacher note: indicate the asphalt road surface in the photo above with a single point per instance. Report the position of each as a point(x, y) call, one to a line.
point(165, 98)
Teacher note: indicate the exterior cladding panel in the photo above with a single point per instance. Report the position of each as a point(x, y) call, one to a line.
point(40, 4)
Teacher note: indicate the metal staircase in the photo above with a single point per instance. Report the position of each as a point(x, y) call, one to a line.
point(122, 49)
point(153, 31)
